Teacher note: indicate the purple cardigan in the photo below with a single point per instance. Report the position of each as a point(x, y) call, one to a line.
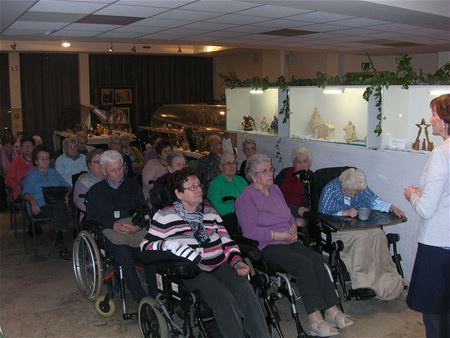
point(259, 214)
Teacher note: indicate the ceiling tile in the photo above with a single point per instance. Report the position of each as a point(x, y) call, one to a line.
point(258, 37)
point(354, 31)
point(237, 19)
point(21, 32)
point(39, 25)
point(319, 17)
point(247, 29)
point(201, 38)
point(118, 35)
point(320, 27)
point(66, 33)
point(281, 23)
point(177, 14)
point(270, 11)
point(219, 6)
point(155, 3)
point(90, 27)
point(66, 6)
point(358, 22)
point(50, 17)
point(139, 29)
point(136, 11)
point(222, 34)
point(211, 26)
point(153, 22)
point(392, 27)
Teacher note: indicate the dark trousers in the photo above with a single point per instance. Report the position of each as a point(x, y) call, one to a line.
point(437, 326)
point(232, 301)
point(60, 214)
point(126, 256)
point(312, 279)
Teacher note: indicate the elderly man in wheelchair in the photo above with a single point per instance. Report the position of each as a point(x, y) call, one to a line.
point(194, 232)
point(365, 252)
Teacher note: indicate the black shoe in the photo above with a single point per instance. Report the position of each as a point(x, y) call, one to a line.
point(362, 293)
point(65, 254)
point(37, 230)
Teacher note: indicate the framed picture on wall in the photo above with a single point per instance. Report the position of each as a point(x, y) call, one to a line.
point(123, 96)
point(122, 115)
point(107, 96)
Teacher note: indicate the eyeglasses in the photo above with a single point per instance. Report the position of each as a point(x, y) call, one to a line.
point(266, 171)
point(194, 187)
point(229, 163)
point(96, 162)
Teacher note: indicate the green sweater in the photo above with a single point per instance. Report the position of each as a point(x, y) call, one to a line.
point(220, 187)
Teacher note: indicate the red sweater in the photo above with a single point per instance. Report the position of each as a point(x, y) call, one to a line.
point(293, 189)
point(17, 171)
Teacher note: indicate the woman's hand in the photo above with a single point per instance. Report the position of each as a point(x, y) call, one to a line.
point(288, 236)
point(125, 228)
point(397, 212)
point(350, 213)
point(242, 269)
point(302, 210)
point(35, 209)
point(409, 191)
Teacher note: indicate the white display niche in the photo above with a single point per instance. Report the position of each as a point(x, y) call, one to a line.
point(333, 114)
point(403, 109)
point(257, 104)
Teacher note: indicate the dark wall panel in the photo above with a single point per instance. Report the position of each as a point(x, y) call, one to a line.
point(4, 82)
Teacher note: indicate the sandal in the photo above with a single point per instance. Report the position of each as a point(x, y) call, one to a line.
point(339, 319)
point(322, 329)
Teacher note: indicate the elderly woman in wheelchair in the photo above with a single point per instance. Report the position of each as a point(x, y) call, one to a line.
point(264, 216)
point(194, 232)
point(365, 253)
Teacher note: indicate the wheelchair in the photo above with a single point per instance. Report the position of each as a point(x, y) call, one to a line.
point(322, 240)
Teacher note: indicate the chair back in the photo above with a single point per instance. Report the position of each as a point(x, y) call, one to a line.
point(320, 180)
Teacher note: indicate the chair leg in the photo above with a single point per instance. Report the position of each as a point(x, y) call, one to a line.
point(33, 228)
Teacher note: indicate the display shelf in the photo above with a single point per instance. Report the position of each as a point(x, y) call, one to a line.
point(403, 109)
point(338, 114)
point(241, 102)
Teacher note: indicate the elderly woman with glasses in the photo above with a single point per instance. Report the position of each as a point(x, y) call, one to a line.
point(224, 189)
point(264, 216)
point(194, 232)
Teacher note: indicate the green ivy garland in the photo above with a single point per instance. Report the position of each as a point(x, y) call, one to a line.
point(375, 81)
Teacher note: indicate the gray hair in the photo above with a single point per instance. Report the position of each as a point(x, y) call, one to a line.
point(226, 155)
point(252, 163)
point(68, 141)
point(173, 155)
point(353, 180)
point(248, 141)
point(110, 156)
point(300, 152)
point(213, 139)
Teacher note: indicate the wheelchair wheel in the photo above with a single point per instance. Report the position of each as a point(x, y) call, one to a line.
point(87, 265)
point(105, 308)
point(151, 322)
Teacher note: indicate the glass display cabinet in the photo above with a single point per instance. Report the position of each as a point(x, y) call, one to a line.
point(407, 114)
point(337, 114)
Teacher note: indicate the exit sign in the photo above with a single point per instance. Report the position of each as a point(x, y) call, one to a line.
point(366, 66)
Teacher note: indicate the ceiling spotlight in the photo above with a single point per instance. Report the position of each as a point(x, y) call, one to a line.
point(13, 45)
point(179, 49)
point(65, 44)
point(110, 49)
point(133, 49)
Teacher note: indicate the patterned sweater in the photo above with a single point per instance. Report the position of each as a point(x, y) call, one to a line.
point(168, 227)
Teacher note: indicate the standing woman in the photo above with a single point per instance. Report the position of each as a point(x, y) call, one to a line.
point(429, 291)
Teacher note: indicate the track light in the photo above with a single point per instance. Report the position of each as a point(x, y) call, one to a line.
point(179, 49)
point(65, 44)
point(133, 49)
point(13, 45)
point(110, 49)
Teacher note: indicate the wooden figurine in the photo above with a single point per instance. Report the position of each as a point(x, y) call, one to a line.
point(426, 143)
point(248, 123)
point(350, 132)
point(264, 125)
point(320, 129)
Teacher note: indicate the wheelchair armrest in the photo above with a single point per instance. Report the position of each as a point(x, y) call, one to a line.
point(392, 238)
point(91, 225)
point(182, 269)
point(241, 240)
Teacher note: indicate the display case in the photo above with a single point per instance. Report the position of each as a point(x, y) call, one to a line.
point(338, 114)
point(252, 110)
point(404, 110)
point(188, 125)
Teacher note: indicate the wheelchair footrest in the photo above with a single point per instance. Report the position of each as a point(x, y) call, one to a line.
point(362, 294)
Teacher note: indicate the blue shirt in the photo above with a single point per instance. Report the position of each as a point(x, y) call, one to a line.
point(34, 181)
point(68, 167)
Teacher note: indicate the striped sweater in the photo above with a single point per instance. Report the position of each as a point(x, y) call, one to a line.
point(168, 227)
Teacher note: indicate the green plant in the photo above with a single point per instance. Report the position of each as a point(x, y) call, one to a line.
point(374, 80)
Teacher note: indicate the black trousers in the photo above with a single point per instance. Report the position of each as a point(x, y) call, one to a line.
point(437, 326)
point(60, 214)
point(312, 279)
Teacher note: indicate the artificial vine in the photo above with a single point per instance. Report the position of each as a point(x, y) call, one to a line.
point(375, 81)
point(277, 151)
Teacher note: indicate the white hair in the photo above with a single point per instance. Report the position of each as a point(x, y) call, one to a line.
point(252, 164)
point(353, 180)
point(300, 152)
point(110, 156)
point(224, 156)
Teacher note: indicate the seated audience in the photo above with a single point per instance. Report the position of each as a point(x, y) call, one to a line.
point(157, 167)
point(109, 203)
point(195, 232)
point(175, 161)
point(7, 154)
point(207, 167)
point(37, 140)
point(82, 140)
point(135, 155)
point(365, 254)
point(227, 184)
point(264, 216)
point(116, 144)
point(291, 183)
point(94, 175)
point(43, 176)
point(249, 149)
point(71, 162)
point(150, 153)
point(20, 166)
